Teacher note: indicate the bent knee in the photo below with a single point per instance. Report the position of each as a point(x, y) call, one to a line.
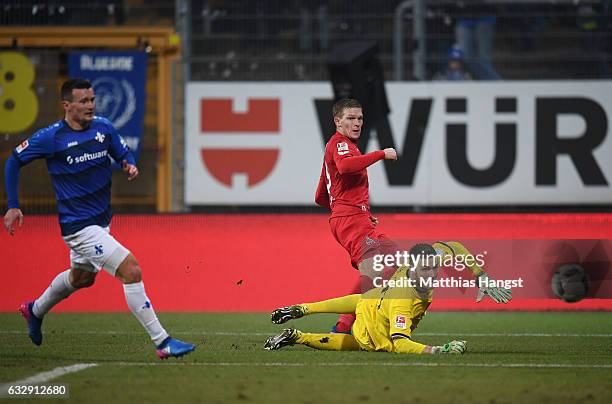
point(83, 281)
point(133, 275)
point(129, 271)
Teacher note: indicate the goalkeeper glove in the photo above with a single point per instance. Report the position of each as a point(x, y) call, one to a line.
point(453, 347)
point(499, 295)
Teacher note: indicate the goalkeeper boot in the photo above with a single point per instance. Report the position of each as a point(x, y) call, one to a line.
point(289, 336)
point(284, 314)
point(173, 347)
point(34, 323)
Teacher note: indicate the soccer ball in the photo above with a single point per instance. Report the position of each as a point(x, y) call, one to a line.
point(570, 283)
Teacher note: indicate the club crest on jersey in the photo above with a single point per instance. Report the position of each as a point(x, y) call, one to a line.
point(100, 137)
point(342, 148)
point(24, 145)
point(400, 322)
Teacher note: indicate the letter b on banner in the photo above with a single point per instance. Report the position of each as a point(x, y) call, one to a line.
point(18, 102)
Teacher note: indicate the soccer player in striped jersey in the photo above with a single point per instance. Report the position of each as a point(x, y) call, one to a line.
point(77, 150)
point(386, 316)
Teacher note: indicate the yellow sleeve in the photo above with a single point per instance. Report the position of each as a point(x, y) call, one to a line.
point(456, 248)
point(406, 345)
point(400, 318)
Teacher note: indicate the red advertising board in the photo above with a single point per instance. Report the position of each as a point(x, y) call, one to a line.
point(256, 262)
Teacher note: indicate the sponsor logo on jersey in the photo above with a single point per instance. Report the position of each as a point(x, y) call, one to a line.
point(400, 322)
point(70, 144)
point(100, 137)
point(86, 157)
point(342, 148)
point(22, 146)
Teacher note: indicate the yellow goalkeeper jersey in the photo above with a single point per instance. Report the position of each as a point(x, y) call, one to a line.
point(386, 317)
point(388, 314)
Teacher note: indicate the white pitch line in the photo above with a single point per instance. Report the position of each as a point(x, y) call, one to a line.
point(397, 364)
point(236, 334)
point(47, 376)
point(513, 334)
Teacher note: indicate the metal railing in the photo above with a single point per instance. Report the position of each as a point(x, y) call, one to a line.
point(290, 40)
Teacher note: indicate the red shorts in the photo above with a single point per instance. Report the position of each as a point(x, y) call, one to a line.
point(359, 237)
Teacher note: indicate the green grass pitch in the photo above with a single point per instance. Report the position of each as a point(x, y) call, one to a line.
point(512, 357)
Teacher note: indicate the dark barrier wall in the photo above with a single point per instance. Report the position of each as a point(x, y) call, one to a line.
point(259, 262)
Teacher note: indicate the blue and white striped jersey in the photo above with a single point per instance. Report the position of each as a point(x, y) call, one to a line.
point(80, 168)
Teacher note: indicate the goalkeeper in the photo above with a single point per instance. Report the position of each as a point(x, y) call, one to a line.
point(386, 317)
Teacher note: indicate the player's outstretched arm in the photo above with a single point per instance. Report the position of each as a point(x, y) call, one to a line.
point(486, 287)
point(455, 248)
point(486, 284)
point(353, 164)
point(407, 346)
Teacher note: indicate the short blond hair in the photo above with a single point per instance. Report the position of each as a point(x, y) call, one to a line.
point(345, 103)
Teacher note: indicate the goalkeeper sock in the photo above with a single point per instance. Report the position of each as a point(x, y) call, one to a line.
point(344, 304)
point(59, 289)
point(329, 342)
point(140, 305)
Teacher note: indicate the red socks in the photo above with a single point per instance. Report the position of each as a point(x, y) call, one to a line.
point(345, 322)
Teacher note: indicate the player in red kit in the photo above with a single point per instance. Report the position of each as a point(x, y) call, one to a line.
point(343, 188)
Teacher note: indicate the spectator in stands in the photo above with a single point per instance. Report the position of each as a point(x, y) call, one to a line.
point(593, 22)
point(474, 34)
point(455, 70)
point(440, 36)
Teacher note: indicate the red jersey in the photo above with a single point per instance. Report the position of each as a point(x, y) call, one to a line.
point(343, 185)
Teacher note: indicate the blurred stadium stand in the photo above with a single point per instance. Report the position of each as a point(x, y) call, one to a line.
point(289, 40)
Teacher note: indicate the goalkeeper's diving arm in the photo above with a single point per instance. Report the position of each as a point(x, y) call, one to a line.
point(498, 294)
point(406, 345)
